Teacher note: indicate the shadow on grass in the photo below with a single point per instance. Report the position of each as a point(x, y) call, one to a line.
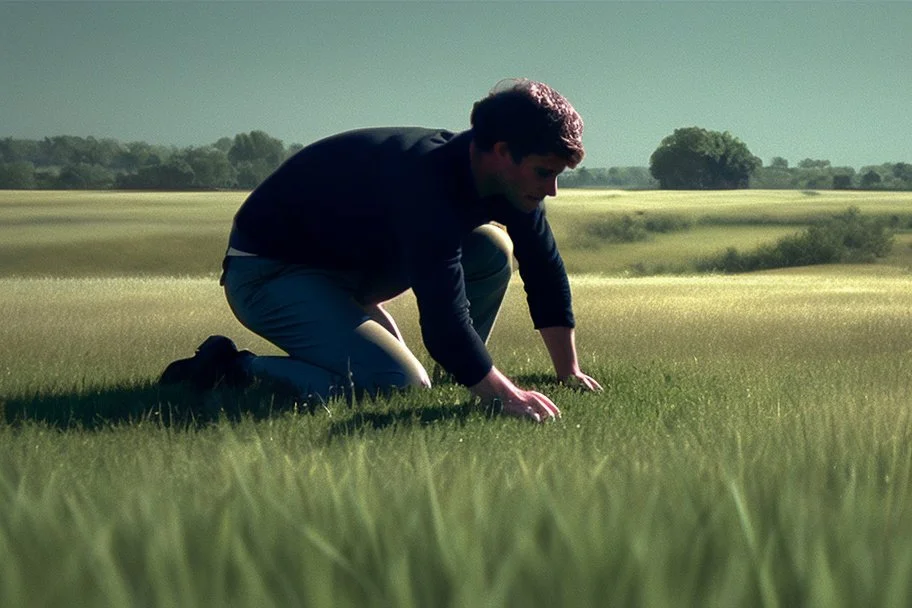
point(174, 406)
point(96, 408)
point(412, 415)
point(417, 415)
point(104, 407)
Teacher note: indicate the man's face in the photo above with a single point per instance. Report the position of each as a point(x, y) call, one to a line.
point(527, 183)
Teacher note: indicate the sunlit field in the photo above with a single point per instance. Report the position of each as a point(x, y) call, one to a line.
point(752, 447)
point(716, 221)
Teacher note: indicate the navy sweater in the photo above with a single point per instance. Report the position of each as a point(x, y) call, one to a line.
point(393, 204)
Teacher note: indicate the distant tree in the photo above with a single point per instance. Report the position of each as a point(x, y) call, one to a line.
point(903, 172)
point(631, 177)
point(45, 180)
point(613, 177)
point(697, 159)
point(8, 151)
point(18, 150)
point(60, 150)
point(810, 163)
point(255, 155)
point(211, 167)
point(293, 149)
point(224, 144)
point(775, 176)
point(251, 173)
point(778, 162)
point(18, 175)
point(256, 146)
point(136, 155)
point(101, 152)
point(175, 174)
point(817, 180)
point(842, 181)
point(870, 180)
point(85, 176)
point(583, 177)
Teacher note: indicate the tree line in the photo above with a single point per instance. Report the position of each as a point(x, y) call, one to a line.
point(691, 158)
point(808, 174)
point(67, 162)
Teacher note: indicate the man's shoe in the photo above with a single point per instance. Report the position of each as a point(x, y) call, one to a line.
point(215, 362)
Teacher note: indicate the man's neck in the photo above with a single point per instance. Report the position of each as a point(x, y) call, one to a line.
point(482, 176)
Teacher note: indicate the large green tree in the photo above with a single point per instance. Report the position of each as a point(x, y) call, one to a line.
point(255, 155)
point(698, 159)
point(211, 167)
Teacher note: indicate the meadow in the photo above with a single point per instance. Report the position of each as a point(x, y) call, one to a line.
point(752, 447)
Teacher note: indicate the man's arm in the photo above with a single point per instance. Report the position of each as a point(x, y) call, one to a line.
point(561, 345)
point(548, 294)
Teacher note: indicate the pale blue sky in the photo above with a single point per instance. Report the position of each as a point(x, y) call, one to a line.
point(826, 80)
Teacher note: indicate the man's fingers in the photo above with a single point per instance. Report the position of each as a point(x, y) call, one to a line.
point(534, 405)
point(591, 384)
point(582, 382)
point(550, 409)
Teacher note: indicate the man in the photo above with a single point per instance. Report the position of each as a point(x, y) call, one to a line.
point(355, 219)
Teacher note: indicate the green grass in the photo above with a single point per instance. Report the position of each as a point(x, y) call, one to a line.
point(78, 234)
point(718, 221)
point(127, 234)
point(752, 447)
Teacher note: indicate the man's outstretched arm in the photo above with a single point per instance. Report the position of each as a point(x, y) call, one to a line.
point(561, 345)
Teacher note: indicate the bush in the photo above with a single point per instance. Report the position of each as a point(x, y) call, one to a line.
point(843, 238)
point(631, 229)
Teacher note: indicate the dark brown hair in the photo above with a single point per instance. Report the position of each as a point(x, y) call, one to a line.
point(532, 118)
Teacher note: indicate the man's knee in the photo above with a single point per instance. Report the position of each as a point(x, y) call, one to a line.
point(383, 362)
point(487, 251)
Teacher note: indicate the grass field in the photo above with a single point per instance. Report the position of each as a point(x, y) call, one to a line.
point(753, 446)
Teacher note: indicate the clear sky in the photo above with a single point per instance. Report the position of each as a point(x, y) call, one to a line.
point(825, 80)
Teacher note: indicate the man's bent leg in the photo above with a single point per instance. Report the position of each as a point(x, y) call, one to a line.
point(487, 257)
point(312, 315)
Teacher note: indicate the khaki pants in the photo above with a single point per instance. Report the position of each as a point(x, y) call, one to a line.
point(334, 342)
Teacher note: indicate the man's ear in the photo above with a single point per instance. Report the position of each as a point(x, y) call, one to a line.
point(501, 150)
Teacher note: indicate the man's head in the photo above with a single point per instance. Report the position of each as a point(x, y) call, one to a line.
point(531, 118)
point(524, 134)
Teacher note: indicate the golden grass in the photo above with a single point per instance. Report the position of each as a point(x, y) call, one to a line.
point(737, 204)
point(76, 234)
point(671, 252)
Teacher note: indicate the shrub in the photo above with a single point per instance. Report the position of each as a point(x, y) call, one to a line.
point(631, 229)
point(843, 238)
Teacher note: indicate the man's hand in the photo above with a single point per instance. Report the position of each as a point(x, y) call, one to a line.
point(531, 404)
point(495, 387)
point(581, 381)
point(561, 345)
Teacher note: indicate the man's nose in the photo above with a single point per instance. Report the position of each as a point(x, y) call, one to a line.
point(552, 188)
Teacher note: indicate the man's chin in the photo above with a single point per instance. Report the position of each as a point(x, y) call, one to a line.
point(527, 204)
